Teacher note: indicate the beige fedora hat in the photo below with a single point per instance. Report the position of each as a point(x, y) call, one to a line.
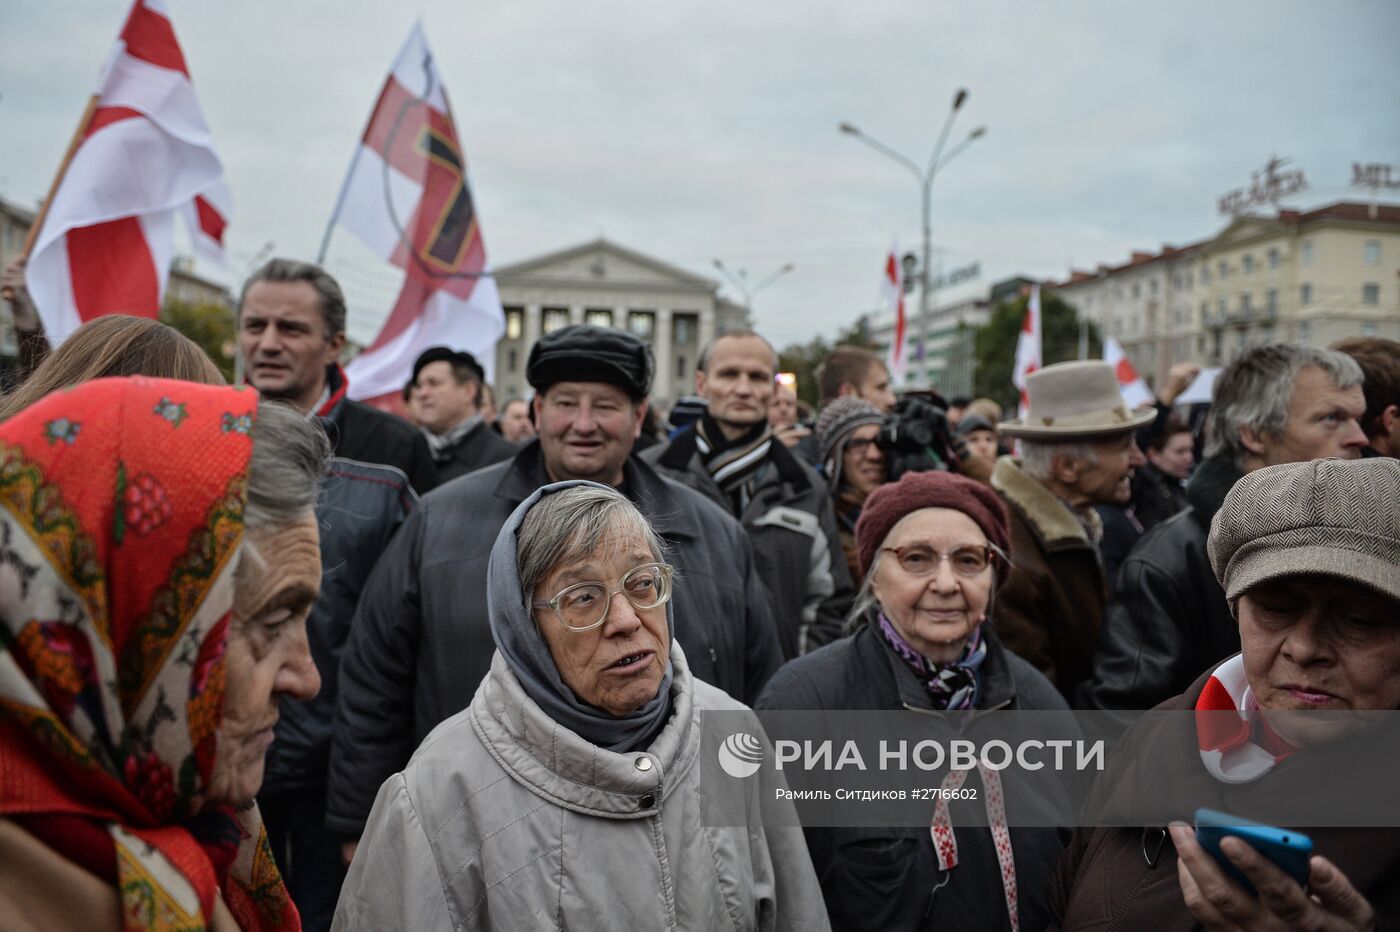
point(1074, 399)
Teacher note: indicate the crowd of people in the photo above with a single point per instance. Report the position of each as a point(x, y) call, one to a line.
point(271, 658)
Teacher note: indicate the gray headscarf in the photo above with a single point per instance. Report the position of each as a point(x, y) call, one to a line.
point(527, 655)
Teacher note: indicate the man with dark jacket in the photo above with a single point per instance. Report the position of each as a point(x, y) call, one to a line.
point(359, 508)
point(421, 642)
point(1169, 621)
point(731, 456)
point(1077, 450)
point(291, 329)
point(448, 386)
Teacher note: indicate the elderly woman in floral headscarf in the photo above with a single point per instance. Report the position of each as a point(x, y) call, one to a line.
point(157, 561)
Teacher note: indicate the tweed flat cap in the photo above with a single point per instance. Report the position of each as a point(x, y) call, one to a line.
point(1331, 517)
point(584, 353)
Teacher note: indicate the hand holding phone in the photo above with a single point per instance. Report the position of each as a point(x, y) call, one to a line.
point(1286, 849)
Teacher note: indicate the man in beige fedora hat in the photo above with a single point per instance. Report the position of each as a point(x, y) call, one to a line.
point(1077, 450)
point(1169, 619)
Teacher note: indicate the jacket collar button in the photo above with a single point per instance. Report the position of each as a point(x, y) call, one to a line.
point(644, 764)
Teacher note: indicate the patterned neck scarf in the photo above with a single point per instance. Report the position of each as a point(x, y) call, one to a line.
point(733, 463)
point(1236, 743)
point(950, 686)
point(121, 523)
point(440, 445)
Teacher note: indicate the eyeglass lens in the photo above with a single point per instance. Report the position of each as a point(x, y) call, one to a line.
point(920, 561)
point(585, 604)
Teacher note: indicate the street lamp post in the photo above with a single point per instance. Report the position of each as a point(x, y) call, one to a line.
point(925, 178)
point(740, 278)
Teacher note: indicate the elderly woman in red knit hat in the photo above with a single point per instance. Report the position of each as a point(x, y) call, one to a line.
point(932, 551)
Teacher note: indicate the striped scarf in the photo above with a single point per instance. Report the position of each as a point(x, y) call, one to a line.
point(733, 463)
point(950, 686)
point(1237, 748)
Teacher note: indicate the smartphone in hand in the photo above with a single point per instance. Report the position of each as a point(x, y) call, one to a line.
point(1288, 850)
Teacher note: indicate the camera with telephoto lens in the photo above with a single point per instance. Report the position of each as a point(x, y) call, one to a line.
point(915, 437)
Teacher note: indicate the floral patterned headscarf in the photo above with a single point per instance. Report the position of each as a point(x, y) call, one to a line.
point(121, 519)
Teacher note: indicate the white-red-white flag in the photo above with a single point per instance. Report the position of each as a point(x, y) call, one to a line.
point(1028, 357)
point(892, 292)
point(144, 157)
point(407, 198)
point(1134, 390)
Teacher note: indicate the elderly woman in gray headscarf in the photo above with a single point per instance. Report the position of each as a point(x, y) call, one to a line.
point(567, 795)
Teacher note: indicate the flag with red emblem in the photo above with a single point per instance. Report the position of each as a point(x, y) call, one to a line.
point(1027, 348)
point(406, 197)
point(142, 155)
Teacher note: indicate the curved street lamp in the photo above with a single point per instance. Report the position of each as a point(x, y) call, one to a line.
point(925, 178)
point(740, 280)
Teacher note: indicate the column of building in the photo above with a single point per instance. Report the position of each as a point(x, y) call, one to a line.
point(661, 344)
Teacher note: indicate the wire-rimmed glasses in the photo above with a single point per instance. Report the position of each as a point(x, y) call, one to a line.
point(584, 606)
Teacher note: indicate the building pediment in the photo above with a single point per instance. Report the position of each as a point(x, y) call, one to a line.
point(1245, 229)
point(602, 264)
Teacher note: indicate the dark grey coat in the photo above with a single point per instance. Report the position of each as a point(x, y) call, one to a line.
point(421, 643)
point(884, 878)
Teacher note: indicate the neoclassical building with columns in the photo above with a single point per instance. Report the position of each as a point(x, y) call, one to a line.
point(602, 283)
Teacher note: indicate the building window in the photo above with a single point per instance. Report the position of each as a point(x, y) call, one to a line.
point(1271, 300)
point(1373, 252)
point(680, 367)
point(512, 359)
point(1266, 335)
point(641, 323)
point(555, 318)
point(1305, 331)
point(1370, 293)
point(1137, 290)
point(1273, 258)
point(1305, 252)
point(683, 330)
point(1368, 329)
point(1220, 306)
point(515, 323)
point(1205, 275)
point(1246, 302)
point(598, 317)
point(1223, 269)
point(1201, 343)
point(1205, 313)
point(1152, 287)
point(1248, 263)
point(1305, 294)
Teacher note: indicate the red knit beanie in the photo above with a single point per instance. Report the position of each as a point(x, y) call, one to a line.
point(915, 490)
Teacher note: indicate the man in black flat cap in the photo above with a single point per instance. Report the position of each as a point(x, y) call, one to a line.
point(447, 386)
point(421, 642)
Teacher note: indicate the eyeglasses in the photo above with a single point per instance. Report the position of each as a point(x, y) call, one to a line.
point(584, 606)
point(921, 559)
point(860, 444)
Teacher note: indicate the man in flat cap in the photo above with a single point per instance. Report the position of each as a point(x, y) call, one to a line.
point(448, 386)
point(421, 642)
point(1077, 451)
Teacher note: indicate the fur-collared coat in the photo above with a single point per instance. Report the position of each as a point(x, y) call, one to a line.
point(1051, 607)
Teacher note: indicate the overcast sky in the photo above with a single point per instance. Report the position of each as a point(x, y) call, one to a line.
point(692, 130)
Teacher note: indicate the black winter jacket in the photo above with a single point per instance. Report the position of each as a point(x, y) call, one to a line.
point(358, 509)
point(368, 435)
point(421, 643)
point(796, 548)
point(885, 877)
point(1168, 620)
point(480, 447)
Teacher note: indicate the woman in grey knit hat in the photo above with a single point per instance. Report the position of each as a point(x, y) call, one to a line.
point(853, 463)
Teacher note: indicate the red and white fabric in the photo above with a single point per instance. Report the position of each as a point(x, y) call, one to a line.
point(1028, 357)
point(1236, 744)
point(1134, 390)
point(407, 198)
point(892, 292)
point(945, 841)
point(145, 156)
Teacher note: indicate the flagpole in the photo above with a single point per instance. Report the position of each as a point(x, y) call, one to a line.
point(335, 212)
point(43, 214)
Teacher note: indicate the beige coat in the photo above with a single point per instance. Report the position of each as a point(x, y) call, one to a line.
point(505, 820)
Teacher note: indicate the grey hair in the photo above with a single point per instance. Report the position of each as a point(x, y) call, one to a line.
point(569, 525)
point(1038, 457)
point(290, 454)
point(290, 271)
point(1256, 389)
